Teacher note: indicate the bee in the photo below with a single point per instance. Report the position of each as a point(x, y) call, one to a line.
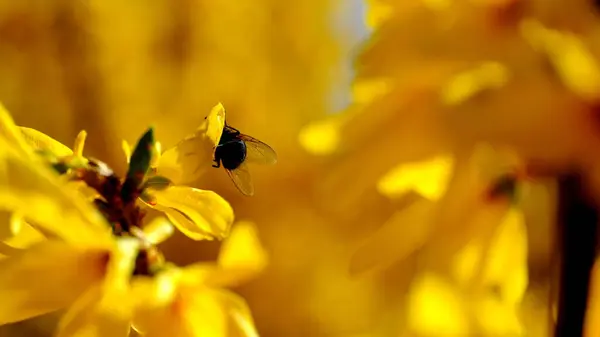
point(235, 150)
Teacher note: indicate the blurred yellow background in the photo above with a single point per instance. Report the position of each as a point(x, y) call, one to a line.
point(115, 67)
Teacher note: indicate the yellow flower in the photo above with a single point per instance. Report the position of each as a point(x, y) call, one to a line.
point(191, 301)
point(199, 214)
point(90, 269)
point(35, 194)
point(72, 262)
point(91, 279)
point(437, 303)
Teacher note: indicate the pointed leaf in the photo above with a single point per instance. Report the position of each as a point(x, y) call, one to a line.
point(157, 183)
point(140, 158)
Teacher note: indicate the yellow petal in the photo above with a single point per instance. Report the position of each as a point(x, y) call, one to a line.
point(404, 233)
point(158, 291)
point(187, 161)
point(156, 154)
point(506, 265)
point(26, 235)
point(11, 133)
point(496, 318)
point(37, 193)
point(466, 263)
point(489, 75)
point(435, 306)
point(196, 213)
point(241, 323)
point(158, 230)
point(85, 319)
point(205, 313)
point(126, 150)
point(242, 255)
point(7, 230)
point(105, 310)
point(66, 273)
point(378, 13)
point(42, 142)
point(195, 312)
point(367, 91)
point(215, 123)
point(428, 178)
point(79, 143)
point(576, 66)
point(192, 156)
point(321, 138)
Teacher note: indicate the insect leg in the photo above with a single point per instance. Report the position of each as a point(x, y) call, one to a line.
point(237, 132)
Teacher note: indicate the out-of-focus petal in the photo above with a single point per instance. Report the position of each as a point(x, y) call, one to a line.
point(242, 256)
point(42, 142)
point(126, 150)
point(496, 318)
point(7, 230)
point(378, 13)
point(366, 91)
point(11, 133)
point(156, 154)
point(577, 67)
point(37, 194)
point(158, 230)
point(199, 214)
point(66, 272)
point(105, 310)
point(466, 85)
point(428, 178)
point(435, 306)
point(399, 237)
point(506, 265)
point(321, 138)
point(25, 236)
point(197, 312)
point(241, 323)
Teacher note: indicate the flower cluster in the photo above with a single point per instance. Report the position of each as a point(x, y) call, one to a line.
point(76, 237)
point(462, 110)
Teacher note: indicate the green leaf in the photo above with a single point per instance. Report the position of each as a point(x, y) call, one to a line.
point(158, 183)
point(139, 165)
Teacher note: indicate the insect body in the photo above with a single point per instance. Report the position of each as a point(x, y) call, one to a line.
point(231, 151)
point(235, 150)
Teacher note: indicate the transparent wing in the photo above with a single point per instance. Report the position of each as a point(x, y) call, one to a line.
point(242, 179)
point(258, 152)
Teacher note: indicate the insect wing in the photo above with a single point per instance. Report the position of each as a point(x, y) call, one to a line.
point(258, 152)
point(242, 179)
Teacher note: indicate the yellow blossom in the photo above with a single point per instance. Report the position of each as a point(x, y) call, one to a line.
point(190, 301)
point(440, 304)
point(199, 214)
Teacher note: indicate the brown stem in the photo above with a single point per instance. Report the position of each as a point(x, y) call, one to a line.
point(578, 229)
